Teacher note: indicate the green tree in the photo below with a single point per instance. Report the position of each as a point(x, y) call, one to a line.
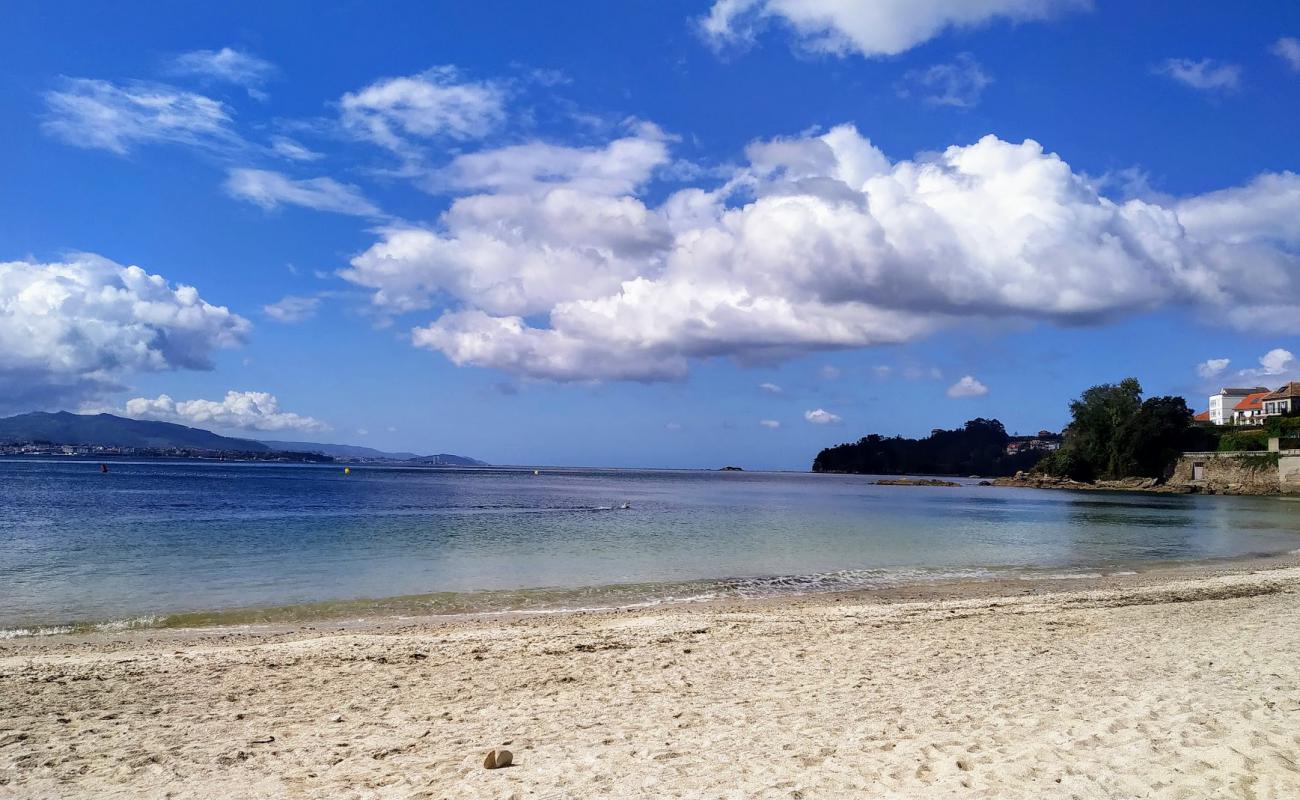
point(1152, 439)
point(1097, 417)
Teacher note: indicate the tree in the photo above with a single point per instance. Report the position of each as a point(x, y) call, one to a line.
point(1098, 415)
point(976, 448)
point(1152, 439)
point(1115, 434)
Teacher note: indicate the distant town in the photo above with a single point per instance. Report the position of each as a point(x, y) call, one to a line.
point(109, 451)
point(1252, 406)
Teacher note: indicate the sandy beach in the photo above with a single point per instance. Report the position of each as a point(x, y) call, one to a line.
point(1181, 685)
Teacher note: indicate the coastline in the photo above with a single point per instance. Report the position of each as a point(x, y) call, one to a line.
point(980, 688)
point(856, 586)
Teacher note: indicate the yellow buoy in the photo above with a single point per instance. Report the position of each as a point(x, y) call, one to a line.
point(347, 470)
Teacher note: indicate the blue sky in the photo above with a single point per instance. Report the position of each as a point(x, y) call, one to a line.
point(642, 234)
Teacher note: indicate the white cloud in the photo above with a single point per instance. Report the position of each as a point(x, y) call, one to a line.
point(292, 309)
point(1275, 362)
point(226, 65)
point(437, 103)
point(71, 331)
point(1263, 210)
point(103, 115)
point(1205, 75)
point(673, 426)
point(1288, 49)
point(770, 423)
point(830, 373)
point(820, 416)
point(818, 243)
point(293, 150)
point(1212, 367)
point(882, 371)
point(558, 225)
point(250, 411)
point(271, 189)
point(877, 28)
point(958, 84)
point(770, 388)
point(968, 386)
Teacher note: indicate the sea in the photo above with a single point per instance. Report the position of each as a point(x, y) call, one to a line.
point(178, 544)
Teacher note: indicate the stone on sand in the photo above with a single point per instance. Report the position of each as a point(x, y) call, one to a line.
point(498, 758)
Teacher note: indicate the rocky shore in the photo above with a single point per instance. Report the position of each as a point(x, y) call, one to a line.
point(915, 482)
point(1033, 480)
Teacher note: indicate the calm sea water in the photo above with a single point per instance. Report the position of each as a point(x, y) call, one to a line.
point(182, 543)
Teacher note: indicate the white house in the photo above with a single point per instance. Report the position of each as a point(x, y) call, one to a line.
point(1223, 403)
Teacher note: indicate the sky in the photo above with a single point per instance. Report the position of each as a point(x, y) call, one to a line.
point(669, 234)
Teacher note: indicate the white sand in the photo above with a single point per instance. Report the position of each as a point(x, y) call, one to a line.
point(1189, 689)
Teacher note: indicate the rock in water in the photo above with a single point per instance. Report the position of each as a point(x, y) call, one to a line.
point(497, 759)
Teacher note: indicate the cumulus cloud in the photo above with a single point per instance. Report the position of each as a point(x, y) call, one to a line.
point(770, 423)
point(1212, 368)
point(820, 416)
point(817, 243)
point(830, 373)
point(270, 189)
point(99, 114)
point(249, 411)
point(226, 65)
point(556, 224)
point(1272, 364)
point(770, 388)
point(968, 386)
point(437, 103)
point(958, 84)
point(1288, 49)
point(292, 309)
point(1205, 75)
point(1276, 361)
point(71, 331)
point(880, 28)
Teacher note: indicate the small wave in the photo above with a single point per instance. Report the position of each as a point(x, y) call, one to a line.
point(1060, 576)
point(20, 633)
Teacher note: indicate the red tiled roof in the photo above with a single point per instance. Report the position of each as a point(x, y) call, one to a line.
point(1204, 416)
point(1250, 402)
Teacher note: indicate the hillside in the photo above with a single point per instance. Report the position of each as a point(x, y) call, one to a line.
point(336, 450)
point(346, 451)
point(111, 431)
point(977, 448)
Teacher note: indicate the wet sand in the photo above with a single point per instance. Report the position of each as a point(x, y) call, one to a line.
point(1175, 683)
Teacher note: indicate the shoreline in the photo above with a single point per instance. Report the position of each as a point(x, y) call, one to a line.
point(972, 691)
point(938, 591)
point(380, 612)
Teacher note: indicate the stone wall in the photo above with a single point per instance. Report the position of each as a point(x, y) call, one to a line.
point(1240, 472)
point(1288, 470)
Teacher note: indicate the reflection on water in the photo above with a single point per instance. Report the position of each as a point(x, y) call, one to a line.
point(149, 541)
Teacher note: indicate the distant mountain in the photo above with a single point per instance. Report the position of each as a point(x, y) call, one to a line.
point(336, 450)
point(109, 431)
point(356, 451)
point(449, 460)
